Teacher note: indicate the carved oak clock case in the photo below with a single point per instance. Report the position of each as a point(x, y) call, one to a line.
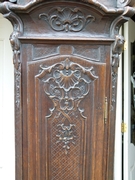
point(66, 55)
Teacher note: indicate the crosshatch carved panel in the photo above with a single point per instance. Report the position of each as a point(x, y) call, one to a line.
point(89, 52)
point(43, 51)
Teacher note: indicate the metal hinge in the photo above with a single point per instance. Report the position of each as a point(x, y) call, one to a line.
point(123, 127)
point(106, 110)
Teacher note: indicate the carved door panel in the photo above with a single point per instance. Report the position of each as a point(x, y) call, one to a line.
point(65, 117)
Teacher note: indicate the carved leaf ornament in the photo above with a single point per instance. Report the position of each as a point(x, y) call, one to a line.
point(67, 83)
point(66, 19)
point(66, 135)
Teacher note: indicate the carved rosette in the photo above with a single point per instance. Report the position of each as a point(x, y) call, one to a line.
point(66, 19)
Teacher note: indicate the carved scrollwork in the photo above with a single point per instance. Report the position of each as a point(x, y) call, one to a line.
point(66, 83)
point(116, 51)
point(66, 19)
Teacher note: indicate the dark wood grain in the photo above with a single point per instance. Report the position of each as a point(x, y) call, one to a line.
point(66, 56)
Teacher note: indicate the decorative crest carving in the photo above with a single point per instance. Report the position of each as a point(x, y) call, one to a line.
point(67, 83)
point(66, 19)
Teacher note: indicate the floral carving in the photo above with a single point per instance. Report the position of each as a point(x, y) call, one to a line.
point(66, 83)
point(66, 19)
point(66, 136)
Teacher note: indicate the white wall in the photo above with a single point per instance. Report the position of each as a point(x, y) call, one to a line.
point(7, 150)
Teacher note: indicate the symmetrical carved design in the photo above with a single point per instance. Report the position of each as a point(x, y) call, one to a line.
point(66, 135)
point(66, 19)
point(67, 83)
point(116, 51)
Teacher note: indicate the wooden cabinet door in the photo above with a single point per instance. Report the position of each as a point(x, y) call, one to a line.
point(65, 113)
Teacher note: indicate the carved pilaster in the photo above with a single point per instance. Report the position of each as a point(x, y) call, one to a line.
point(116, 51)
point(16, 48)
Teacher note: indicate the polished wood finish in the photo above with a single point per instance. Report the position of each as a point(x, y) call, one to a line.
point(66, 56)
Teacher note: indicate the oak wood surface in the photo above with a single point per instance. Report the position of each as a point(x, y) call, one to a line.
point(66, 56)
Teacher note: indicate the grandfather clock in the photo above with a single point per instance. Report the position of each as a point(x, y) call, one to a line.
point(66, 56)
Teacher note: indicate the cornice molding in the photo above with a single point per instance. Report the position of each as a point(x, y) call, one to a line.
point(15, 5)
point(32, 5)
point(127, 14)
point(122, 13)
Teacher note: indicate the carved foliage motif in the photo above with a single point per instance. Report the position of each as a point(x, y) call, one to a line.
point(15, 44)
point(66, 19)
point(116, 51)
point(66, 136)
point(67, 83)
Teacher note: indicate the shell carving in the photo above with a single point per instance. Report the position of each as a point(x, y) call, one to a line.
point(66, 19)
